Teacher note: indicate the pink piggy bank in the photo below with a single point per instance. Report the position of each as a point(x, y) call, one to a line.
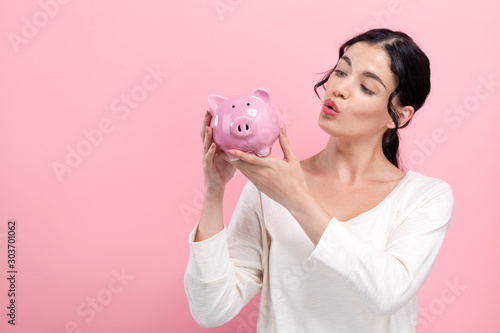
point(244, 122)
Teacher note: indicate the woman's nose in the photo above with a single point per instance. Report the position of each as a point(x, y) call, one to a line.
point(338, 93)
point(341, 88)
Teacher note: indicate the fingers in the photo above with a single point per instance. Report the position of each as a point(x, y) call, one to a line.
point(206, 122)
point(222, 155)
point(209, 156)
point(285, 145)
point(206, 132)
point(208, 159)
point(207, 139)
point(246, 157)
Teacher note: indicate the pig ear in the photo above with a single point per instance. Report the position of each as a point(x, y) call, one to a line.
point(262, 94)
point(214, 102)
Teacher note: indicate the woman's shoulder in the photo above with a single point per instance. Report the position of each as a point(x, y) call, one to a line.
point(418, 184)
point(426, 181)
point(426, 197)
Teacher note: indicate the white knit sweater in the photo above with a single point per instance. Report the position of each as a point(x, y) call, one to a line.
point(362, 276)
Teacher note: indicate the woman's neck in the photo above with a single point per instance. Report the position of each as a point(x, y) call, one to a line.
point(350, 161)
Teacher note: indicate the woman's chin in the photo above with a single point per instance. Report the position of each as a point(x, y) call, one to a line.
point(327, 127)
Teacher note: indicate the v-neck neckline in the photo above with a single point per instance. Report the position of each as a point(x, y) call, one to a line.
point(384, 201)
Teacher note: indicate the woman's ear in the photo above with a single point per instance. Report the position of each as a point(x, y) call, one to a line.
point(404, 115)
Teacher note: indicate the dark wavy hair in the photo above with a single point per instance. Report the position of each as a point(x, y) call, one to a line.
point(412, 71)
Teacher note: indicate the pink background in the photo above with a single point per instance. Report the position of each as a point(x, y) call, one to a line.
point(128, 205)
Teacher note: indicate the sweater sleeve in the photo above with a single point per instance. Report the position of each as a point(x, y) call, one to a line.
point(386, 280)
point(224, 272)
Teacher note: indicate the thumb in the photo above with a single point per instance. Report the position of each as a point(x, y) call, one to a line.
point(288, 153)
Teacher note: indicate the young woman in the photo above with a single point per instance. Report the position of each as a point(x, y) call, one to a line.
point(341, 241)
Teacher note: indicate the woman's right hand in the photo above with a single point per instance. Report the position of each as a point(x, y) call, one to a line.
point(216, 166)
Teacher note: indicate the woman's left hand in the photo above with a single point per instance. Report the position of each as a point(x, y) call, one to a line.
point(280, 179)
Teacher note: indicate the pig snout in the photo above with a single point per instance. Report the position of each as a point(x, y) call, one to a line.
point(243, 127)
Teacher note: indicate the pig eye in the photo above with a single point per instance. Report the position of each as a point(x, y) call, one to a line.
point(248, 104)
point(234, 106)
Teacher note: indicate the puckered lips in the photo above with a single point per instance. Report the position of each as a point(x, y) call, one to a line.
point(330, 108)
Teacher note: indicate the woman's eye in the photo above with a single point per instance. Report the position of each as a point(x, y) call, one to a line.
point(339, 73)
point(366, 90)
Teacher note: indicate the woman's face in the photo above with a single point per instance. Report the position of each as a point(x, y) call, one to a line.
point(360, 87)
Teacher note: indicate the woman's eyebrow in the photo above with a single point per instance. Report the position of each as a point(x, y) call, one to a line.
point(346, 59)
point(374, 76)
point(367, 74)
